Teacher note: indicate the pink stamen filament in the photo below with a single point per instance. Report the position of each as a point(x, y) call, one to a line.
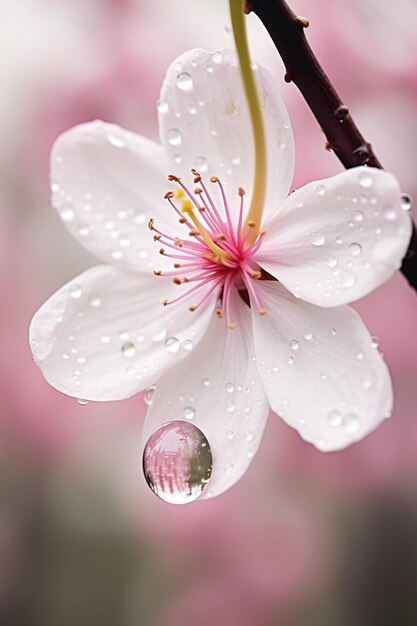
point(214, 253)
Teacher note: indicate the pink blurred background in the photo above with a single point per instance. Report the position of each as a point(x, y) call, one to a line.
point(304, 538)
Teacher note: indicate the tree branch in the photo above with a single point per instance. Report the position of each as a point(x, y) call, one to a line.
point(303, 69)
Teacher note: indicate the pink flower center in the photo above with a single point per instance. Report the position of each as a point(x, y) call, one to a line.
point(216, 252)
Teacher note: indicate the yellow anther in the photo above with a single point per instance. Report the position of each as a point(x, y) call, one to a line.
point(256, 275)
point(177, 265)
point(182, 220)
point(178, 242)
point(198, 190)
point(241, 191)
point(220, 237)
point(157, 272)
point(172, 177)
point(262, 311)
point(303, 21)
point(194, 233)
point(251, 224)
point(219, 313)
point(262, 233)
point(165, 302)
point(231, 325)
point(169, 194)
point(214, 179)
point(161, 251)
point(156, 237)
point(176, 280)
point(151, 223)
point(192, 307)
point(179, 193)
point(187, 206)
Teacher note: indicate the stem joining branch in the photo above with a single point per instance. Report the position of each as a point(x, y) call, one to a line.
point(305, 71)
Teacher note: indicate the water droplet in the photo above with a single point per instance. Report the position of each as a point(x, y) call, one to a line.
point(365, 179)
point(216, 57)
point(172, 344)
point(348, 279)
point(162, 106)
point(188, 345)
point(308, 335)
point(317, 239)
point(189, 412)
point(367, 384)
point(82, 401)
point(355, 249)
point(375, 342)
point(184, 81)
point(390, 213)
point(351, 424)
point(76, 291)
point(358, 216)
point(335, 418)
point(148, 395)
point(124, 241)
point(177, 462)
point(206, 382)
point(294, 345)
point(67, 213)
point(321, 190)
point(230, 435)
point(331, 261)
point(290, 360)
point(230, 407)
point(159, 335)
point(406, 202)
point(201, 164)
point(360, 356)
point(105, 339)
point(128, 349)
point(95, 300)
point(116, 140)
point(230, 388)
point(249, 435)
point(174, 137)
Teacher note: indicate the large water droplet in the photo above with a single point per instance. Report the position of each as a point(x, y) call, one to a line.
point(177, 462)
point(174, 137)
point(184, 81)
point(162, 106)
point(201, 164)
point(189, 412)
point(76, 291)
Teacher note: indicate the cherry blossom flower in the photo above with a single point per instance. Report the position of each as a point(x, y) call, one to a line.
point(228, 317)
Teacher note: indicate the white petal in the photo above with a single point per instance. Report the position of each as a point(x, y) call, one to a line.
point(106, 184)
point(321, 372)
point(336, 240)
point(204, 123)
point(219, 388)
point(103, 336)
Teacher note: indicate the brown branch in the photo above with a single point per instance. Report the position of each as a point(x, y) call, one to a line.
point(304, 70)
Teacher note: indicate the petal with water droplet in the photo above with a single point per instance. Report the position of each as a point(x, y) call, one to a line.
point(330, 411)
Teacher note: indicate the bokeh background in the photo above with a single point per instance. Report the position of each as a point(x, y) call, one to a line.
point(304, 538)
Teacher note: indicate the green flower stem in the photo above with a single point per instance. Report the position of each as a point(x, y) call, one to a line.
point(254, 217)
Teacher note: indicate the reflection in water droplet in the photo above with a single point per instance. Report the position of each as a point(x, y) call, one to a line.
point(355, 249)
point(321, 190)
point(177, 462)
point(82, 401)
point(184, 81)
point(317, 239)
point(406, 202)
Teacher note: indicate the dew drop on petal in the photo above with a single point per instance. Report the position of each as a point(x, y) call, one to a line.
point(76, 292)
point(321, 190)
point(177, 462)
point(95, 300)
point(67, 213)
point(406, 202)
point(365, 180)
point(174, 137)
point(201, 164)
point(348, 279)
point(184, 81)
point(188, 345)
point(128, 349)
point(172, 344)
point(317, 239)
point(375, 342)
point(294, 345)
point(335, 418)
point(230, 435)
point(331, 261)
point(390, 213)
point(162, 106)
point(82, 401)
point(105, 339)
point(148, 395)
point(116, 140)
point(230, 388)
point(308, 335)
point(206, 382)
point(189, 412)
point(351, 423)
point(358, 216)
point(83, 229)
point(355, 249)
